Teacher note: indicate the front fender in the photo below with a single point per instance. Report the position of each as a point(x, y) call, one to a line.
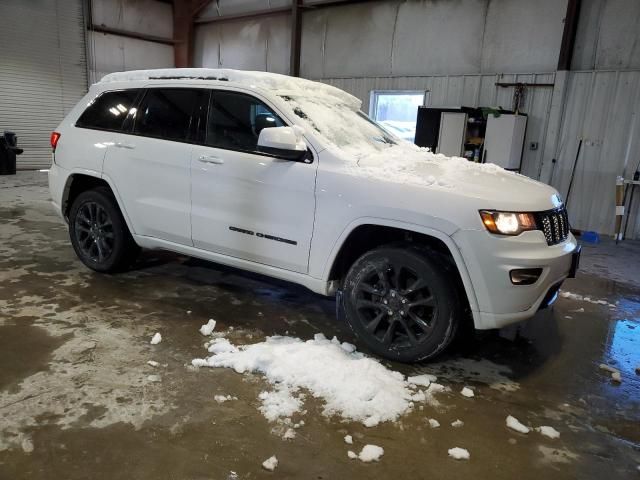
point(431, 232)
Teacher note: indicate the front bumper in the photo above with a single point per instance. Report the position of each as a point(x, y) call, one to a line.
point(489, 259)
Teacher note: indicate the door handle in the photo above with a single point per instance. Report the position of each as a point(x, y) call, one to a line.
point(210, 159)
point(129, 146)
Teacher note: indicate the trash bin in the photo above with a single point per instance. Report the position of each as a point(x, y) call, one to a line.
point(8, 151)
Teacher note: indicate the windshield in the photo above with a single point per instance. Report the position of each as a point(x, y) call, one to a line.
point(348, 129)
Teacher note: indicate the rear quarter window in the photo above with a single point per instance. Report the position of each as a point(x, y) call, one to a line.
point(109, 110)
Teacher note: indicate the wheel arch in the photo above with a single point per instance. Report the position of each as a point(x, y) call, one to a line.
point(368, 233)
point(78, 182)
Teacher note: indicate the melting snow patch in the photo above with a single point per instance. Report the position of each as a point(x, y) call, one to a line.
point(352, 455)
point(224, 398)
point(459, 453)
point(548, 432)
point(581, 298)
point(154, 378)
point(153, 363)
point(616, 377)
point(422, 380)
point(433, 423)
point(514, 424)
point(457, 424)
point(352, 385)
point(27, 445)
point(156, 339)
point(207, 329)
point(371, 453)
point(467, 392)
point(290, 434)
point(348, 439)
point(270, 463)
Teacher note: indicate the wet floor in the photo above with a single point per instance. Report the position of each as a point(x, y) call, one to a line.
point(76, 400)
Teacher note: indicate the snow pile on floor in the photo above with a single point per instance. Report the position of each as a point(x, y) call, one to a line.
point(467, 392)
point(153, 363)
point(156, 339)
point(270, 463)
point(433, 423)
point(581, 298)
point(207, 329)
point(459, 453)
point(348, 439)
point(548, 432)
point(353, 386)
point(369, 453)
point(514, 424)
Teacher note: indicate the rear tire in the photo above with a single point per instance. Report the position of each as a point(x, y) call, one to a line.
point(401, 302)
point(99, 233)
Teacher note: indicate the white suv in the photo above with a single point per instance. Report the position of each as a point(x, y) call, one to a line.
point(286, 177)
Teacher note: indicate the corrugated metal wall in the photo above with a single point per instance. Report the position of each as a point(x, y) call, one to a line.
point(602, 109)
point(115, 53)
point(43, 71)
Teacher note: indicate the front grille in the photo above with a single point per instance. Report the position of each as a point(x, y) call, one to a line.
point(554, 224)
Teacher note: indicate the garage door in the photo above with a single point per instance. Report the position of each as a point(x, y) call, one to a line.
point(43, 71)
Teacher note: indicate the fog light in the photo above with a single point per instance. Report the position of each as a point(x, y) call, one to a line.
point(525, 276)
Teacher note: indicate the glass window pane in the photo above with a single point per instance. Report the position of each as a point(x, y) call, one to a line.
point(108, 111)
point(236, 119)
point(168, 112)
point(397, 112)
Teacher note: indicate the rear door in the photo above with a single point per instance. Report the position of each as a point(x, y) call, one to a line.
point(150, 165)
point(245, 203)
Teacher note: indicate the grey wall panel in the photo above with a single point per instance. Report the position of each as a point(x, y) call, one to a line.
point(150, 17)
point(602, 108)
point(42, 71)
point(438, 37)
point(260, 44)
point(223, 8)
point(522, 36)
point(115, 53)
point(608, 36)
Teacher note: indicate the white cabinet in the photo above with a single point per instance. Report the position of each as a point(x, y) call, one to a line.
point(453, 131)
point(504, 140)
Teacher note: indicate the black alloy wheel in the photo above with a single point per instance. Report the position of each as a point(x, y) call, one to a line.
point(401, 303)
point(99, 233)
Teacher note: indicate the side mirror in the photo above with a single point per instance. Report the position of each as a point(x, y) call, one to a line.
point(283, 142)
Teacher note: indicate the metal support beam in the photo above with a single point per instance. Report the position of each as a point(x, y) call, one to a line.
point(296, 38)
point(128, 34)
point(569, 34)
point(184, 14)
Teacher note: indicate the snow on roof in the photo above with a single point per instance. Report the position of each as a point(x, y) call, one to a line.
point(273, 82)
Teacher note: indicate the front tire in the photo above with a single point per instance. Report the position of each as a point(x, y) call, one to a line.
point(98, 232)
point(402, 303)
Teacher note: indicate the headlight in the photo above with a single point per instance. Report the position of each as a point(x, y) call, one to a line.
point(508, 223)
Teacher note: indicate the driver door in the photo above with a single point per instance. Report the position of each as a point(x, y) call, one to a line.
point(248, 204)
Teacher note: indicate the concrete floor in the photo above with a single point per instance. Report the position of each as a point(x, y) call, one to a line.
point(75, 401)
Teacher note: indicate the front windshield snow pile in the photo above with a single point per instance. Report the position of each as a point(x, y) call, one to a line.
point(349, 129)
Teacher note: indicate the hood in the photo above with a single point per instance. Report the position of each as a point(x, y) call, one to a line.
point(492, 186)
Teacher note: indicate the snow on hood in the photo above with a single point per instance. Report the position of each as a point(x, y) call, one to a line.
point(408, 164)
point(272, 82)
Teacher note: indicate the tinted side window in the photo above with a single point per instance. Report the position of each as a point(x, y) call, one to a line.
point(236, 119)
point(108, 111)
point(169, 113)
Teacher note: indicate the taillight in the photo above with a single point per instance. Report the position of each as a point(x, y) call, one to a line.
point(55, 136)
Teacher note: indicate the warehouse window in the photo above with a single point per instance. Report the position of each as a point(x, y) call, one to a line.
point(397, 110)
